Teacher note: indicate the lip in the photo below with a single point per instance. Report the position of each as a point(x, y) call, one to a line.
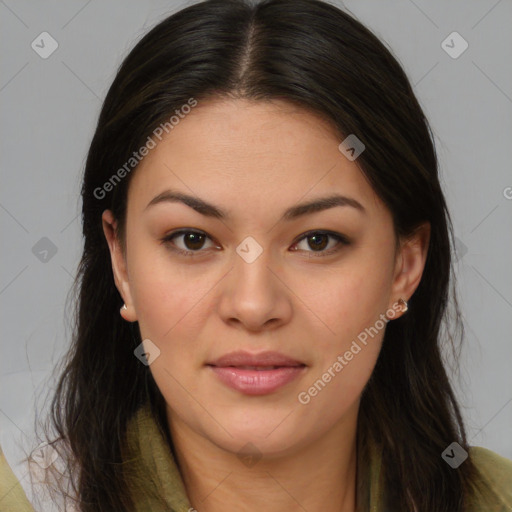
point(251, 373)
point(242, 358)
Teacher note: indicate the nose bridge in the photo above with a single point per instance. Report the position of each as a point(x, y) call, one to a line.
point(251, 267)
point(253, 295)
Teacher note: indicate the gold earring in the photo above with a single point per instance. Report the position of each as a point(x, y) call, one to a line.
point(404, 305)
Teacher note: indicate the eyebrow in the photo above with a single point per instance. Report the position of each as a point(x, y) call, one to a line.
point(210, 210)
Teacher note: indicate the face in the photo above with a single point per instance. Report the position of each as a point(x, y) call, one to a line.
point(255, 272)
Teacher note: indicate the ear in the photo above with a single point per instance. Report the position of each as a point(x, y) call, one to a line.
point(118, 265)
point(410, 263)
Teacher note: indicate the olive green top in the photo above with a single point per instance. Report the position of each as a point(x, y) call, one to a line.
point(156, 483)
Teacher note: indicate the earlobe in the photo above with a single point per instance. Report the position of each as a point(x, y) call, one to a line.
point(410, 263)
point(118, 264)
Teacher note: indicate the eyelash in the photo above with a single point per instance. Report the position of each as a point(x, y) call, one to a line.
point(341, 239)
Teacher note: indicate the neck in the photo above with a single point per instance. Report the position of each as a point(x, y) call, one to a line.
point(318, 476)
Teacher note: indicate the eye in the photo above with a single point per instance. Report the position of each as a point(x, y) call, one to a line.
point(191, 241)
point(319, 240)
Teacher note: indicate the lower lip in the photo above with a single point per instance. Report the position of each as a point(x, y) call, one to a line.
point(256, 382)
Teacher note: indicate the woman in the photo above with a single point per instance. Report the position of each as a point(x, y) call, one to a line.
point(265, 275)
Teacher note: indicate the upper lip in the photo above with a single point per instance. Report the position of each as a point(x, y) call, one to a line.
point(241, 358)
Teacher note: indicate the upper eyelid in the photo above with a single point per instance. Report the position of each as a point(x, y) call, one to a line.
point(180, 232)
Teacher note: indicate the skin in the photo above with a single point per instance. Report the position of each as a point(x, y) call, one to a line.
point(254, 160)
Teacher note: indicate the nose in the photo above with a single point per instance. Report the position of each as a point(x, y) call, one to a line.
point(254, 296)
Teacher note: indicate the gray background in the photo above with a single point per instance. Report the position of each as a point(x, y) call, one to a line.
point(50, 107)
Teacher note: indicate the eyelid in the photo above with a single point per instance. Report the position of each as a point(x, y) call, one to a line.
point(332, 234)
point(341, 239)
point(168, 240)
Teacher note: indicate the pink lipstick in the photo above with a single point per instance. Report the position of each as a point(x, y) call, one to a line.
point(256, 374)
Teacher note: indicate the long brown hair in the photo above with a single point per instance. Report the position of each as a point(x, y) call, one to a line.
point(315, 55)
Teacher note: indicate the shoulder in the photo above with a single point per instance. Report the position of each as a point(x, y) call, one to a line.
point(495, 473)
point(12, 495)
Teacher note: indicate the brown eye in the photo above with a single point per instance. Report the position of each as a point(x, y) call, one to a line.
point(186, 242)
point(193, 241)
point(317, 241)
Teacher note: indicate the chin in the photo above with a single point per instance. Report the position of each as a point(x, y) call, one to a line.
point(244, 444)
point(269, 435)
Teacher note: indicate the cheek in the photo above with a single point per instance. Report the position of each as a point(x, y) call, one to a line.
point(332, 394)
point(345, 360)
point(349, 301)
point(166, 297)
point(168, 305)
point(346, 300)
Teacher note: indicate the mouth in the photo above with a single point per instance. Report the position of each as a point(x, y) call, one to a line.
point(259, 361)
point(257, 368)
point(256, 374)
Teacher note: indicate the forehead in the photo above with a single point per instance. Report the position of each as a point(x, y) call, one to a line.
point(250, 155)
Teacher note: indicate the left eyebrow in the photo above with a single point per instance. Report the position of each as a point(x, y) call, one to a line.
point(210, 210)
point(320, 204)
